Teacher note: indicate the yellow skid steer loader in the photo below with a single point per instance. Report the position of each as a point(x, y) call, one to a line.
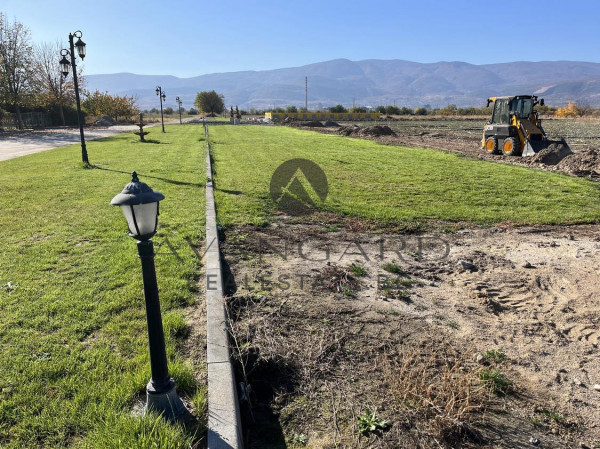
point(515, 128)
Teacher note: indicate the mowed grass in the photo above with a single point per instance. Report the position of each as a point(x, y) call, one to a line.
point(409, 186)
point(73, 343)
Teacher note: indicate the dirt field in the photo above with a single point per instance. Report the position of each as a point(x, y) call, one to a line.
point(322, 345)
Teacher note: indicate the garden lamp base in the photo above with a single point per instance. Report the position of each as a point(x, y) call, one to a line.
point(166, 403)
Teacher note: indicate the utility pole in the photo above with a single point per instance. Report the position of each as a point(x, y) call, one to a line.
point(306, 93)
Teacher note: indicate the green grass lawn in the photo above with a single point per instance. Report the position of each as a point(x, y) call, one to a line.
point(73, 343)
point(409, 186)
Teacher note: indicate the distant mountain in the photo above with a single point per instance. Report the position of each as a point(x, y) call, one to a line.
point(370, 83)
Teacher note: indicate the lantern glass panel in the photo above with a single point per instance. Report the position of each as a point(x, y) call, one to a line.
point(145, 217)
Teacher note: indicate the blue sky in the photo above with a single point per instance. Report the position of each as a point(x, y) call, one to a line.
point(187, 38)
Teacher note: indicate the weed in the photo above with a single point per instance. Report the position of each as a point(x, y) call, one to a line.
point(347, 291)
point(369, 422)
point(495, 380)
point(495, 355)
point(453, 325)
point(393, 268)
point(553, 415)
point(432, 380)
point(357, 270)
point(392, 312)
point(299, 438)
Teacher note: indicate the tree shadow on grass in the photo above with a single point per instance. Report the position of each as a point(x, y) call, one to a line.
point(142, 175)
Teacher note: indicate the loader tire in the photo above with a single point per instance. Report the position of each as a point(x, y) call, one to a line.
point(491, 145)
point(511, 147)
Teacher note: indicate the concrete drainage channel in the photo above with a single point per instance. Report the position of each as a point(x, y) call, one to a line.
point(224, 424)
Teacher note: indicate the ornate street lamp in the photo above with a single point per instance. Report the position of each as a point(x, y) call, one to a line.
point(179, 103)
point(64, 68)
point(162, 97)
point(140, 205)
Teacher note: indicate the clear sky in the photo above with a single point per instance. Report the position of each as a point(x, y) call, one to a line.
point(193, 37)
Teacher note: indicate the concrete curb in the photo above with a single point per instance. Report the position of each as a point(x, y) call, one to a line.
point(224, 424)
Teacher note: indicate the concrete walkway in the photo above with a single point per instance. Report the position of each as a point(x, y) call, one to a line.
point(20, 143)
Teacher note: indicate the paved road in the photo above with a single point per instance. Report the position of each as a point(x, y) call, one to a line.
point(21, 143)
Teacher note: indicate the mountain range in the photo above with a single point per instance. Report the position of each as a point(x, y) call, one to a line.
point(370, 82)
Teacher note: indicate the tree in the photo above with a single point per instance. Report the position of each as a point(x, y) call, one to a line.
point(169, 111)
point(104, 104)
point(16, 62)
point(338, 108)
point(210, 102)
point(193, 111)
point(358, 109)
point(52, 88)
point(291, 109)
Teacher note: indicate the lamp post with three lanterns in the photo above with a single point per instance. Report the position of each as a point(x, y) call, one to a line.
point(64, 68)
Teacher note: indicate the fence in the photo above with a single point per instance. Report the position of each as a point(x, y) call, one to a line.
point(30, 120)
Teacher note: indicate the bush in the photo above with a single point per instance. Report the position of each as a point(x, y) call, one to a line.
point(420, 111)
point(193, 111)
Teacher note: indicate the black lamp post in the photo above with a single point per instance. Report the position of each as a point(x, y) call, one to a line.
point(64, 68)
point(162, 97)
point(139, 204)
point(179, 103)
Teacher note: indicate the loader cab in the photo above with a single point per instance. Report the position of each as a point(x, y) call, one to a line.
point(500, 116)
point(521, 106)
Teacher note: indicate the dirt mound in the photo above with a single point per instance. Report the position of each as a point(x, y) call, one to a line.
point(296, 124)
point(105, 121)
point(378, 130)
point(313, 124)
point(584, 163)
point(352, 130)
point(552, 154)
point(330, 123)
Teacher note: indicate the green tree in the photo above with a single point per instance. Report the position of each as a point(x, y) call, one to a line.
point(210, 102)
point(16, 65)
point(169, 111)
point(291, 109)
point(358, 109)
point(103, 104)
point(338, 108)
point(392, 110)
point(380, 109)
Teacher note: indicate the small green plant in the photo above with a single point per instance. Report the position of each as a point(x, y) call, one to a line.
point(299, 438)
point(393, 268)
point(392, 312)
point(495, 380)
point(357, 269)
point(369, 422)
point(495, 355)
point(347, 291)
point(553, 415)
point(453, 324)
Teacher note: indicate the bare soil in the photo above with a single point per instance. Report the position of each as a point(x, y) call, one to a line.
point(483, 337)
